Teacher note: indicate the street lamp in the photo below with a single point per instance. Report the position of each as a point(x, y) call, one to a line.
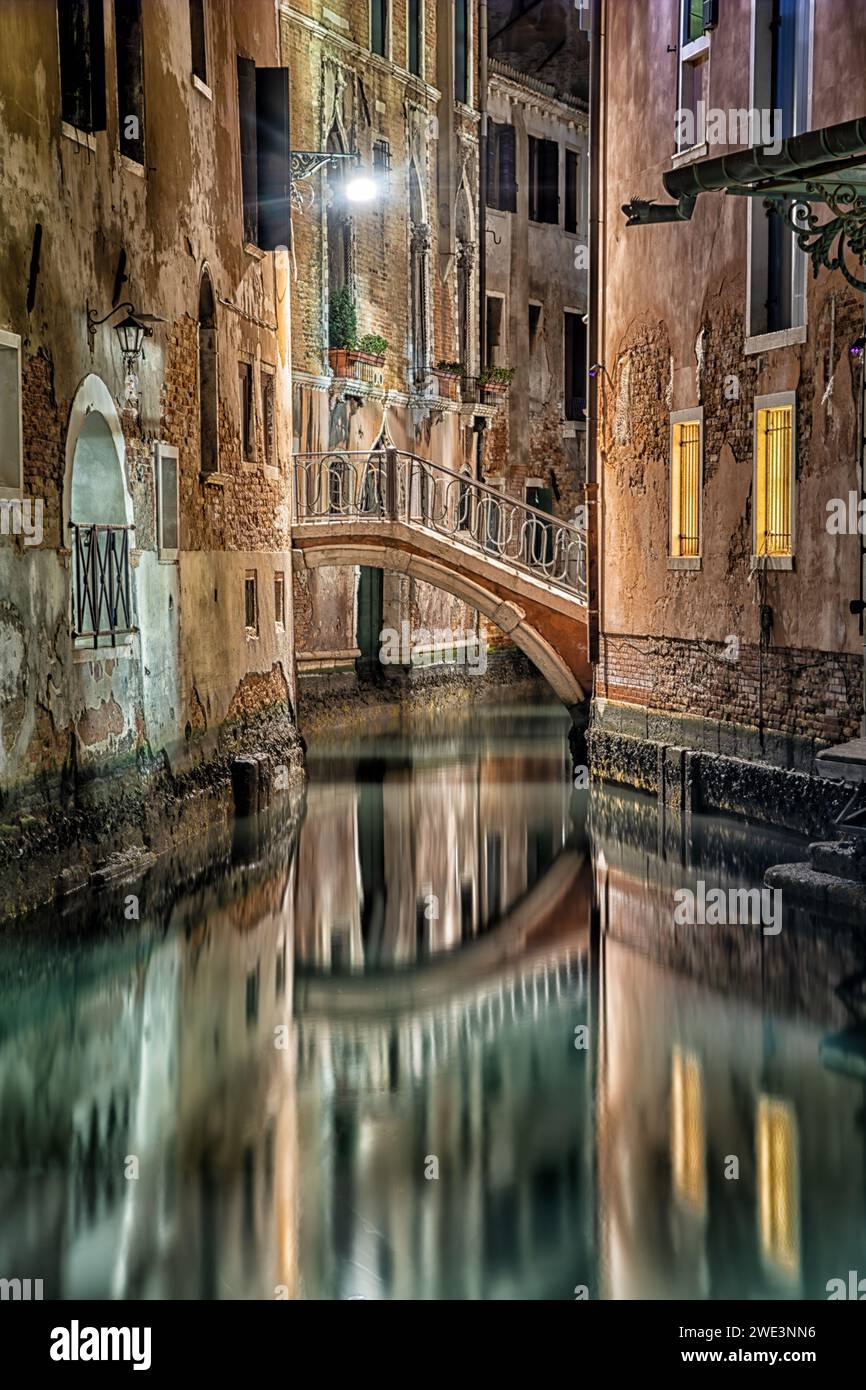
point(359, 188)
point(131, 331)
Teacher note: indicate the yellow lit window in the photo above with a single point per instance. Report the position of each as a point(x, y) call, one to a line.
point(774, 480)
point(778, 1185)
point(687, 1129)
point(686, 490)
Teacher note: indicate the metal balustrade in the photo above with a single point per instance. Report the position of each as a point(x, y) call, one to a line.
point(101, 593)
point(388, 485)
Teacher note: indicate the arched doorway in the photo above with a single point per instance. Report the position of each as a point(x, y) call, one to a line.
point(98, 520)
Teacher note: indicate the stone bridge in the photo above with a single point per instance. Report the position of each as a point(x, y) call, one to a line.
point(523, 569)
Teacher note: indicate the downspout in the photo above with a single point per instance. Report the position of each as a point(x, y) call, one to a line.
point(593, 382)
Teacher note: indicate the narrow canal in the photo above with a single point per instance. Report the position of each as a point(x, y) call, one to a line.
point(445, 1042)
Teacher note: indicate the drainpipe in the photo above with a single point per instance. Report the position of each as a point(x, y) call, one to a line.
point(480, 421)
point(593, 383)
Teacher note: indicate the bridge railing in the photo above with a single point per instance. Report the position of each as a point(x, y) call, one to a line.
point(391, 485)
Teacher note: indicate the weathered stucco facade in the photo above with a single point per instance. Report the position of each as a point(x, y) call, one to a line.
point(137, 198)
point(728, 642)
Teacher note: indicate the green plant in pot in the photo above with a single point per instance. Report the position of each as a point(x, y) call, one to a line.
point(342, 320)
point(499, 378)
point(373, 344)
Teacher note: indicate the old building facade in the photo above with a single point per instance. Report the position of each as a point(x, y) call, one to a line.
point(398, 85)
point(726, 403)
point(146, 578)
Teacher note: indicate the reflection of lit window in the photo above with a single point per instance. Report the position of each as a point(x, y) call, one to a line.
point(778, 1184)
point(687, 1129)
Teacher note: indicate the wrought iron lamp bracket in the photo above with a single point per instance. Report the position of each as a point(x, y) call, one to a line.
point(826, 243)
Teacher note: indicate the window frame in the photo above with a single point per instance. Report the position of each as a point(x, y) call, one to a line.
point(246, 370)
point(12, 341)
point(580, 314)
point(691, 415)
point(386, 30)
point(200, 80)
point(502, 345)
point(534, 182)
point(776, 401)
point(270, 451)
point(280, 611)
point(138, 164)
point(166, 554)
point(422, 37)
point(252, 633)
point(469, 97)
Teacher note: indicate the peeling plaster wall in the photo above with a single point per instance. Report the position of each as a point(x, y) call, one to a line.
point(61, 713)
point(674, 332)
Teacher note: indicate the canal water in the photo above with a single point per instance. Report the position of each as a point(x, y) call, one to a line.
point(446, 1042)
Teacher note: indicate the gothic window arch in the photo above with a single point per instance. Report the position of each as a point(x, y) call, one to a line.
point(466, 259)
point(420, 243)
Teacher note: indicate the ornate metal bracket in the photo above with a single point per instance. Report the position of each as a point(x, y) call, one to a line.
point(306, 163)
point(826, 243)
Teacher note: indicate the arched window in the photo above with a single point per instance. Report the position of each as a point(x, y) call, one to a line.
point(207, 377)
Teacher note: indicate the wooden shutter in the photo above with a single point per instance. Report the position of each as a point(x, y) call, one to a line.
point(249, 147)
point(549, 181)
point(493, 130)
point(274, 158)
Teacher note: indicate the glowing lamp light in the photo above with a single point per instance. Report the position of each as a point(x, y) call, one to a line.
point(360, 189)
point(857, 347)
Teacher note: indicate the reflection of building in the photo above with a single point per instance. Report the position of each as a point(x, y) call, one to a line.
point(717, 1176)
point(409, 862)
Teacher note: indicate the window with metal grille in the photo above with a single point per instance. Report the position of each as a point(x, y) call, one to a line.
point(686, 489)
point(774, 480)
point(382, 164)
point(167, 501)
point(280, 599)
point(10, 413)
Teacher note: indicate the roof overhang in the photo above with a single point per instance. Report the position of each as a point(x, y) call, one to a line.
point(822, 166)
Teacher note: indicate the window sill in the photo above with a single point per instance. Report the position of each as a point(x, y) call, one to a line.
point(772, 562)
point(132, 166)
point(12, 493)
point(214, 479)
point(167, 557)
point(251, 636)
point(249, 466)
point(84, 652)
point(202, 87)
point(684, 562)
point(272, 473)
point(78, 137)
point(255, 251)
point(694, 152)
point(768, 342)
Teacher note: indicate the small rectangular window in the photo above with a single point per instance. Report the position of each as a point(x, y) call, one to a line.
point(198, 42)
point(167, 501)
point(416, 14)
point(263, 110)
point(130, 78)
point(11, 463)
point(248, 442)
point(251, 603)
point(280, 599)
point(686, 483)
point(269, 431)
point(774, 478)
point(81, 33)
point(461, 50)
point(543, 180)
point(574, 392)
point(379, 27)
point(572, 191)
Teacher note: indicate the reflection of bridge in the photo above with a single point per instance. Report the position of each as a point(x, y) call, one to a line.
point(523, 569)
point(549, 922)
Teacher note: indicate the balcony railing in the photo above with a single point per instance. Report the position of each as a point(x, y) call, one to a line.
point(390, 485)
point(101, 590)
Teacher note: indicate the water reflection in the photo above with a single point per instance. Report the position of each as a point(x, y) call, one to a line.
point(348, 1064)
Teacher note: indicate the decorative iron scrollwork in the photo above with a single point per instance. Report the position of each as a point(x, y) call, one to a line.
point(826, 243)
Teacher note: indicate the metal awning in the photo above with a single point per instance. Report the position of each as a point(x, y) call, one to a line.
point(821, 166)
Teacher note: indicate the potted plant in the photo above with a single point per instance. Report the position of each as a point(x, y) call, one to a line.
point(372, 349)
point(448, 376)
point(495, 381)
point(342, 330)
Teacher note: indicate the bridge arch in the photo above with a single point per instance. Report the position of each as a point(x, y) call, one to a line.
point(507, 613)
